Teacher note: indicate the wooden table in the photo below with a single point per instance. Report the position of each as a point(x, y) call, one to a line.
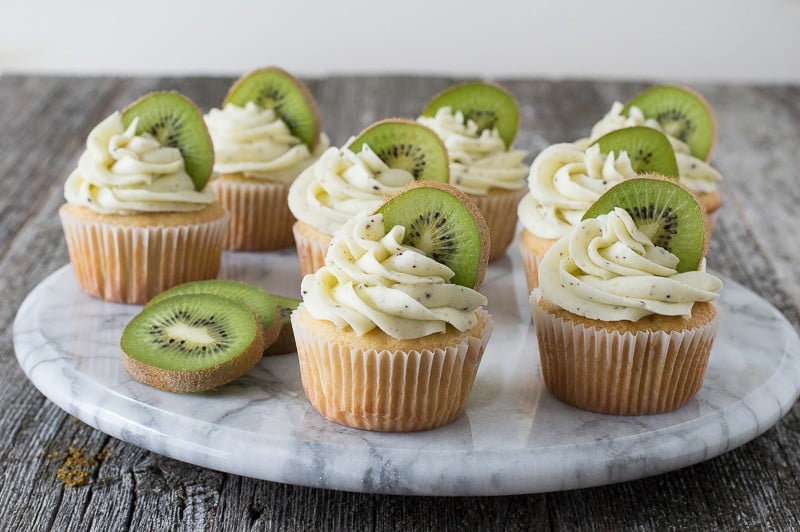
point(43, 126)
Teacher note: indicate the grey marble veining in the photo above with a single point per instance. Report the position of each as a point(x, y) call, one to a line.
point(514, 437)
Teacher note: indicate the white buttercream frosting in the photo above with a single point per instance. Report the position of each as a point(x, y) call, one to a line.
point(256, 142)
point(341, 184)
point(479, 160)
point(371, 279)
point(565, 179)
point(607, 269)
point(695, 173)
point(123, 173)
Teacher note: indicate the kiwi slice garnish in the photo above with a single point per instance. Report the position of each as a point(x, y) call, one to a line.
point(191, 343)
point(648, 149)
point(489, 106)
point(255, 298)
point(285, 342)
point(407, 145)
point(274, 88)
point(175, 121)
point(663, 210)
point(445, 224)
point(682, 113)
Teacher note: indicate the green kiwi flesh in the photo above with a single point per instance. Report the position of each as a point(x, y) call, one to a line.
point(285, 342)
point(253, 297)
point(192, 332)
point(175, 121)
point(274, 88)
point(648, 149)
point(488, 105)
point(406, 145)
point(663, 210)
point(682, 113)
point(441, 226)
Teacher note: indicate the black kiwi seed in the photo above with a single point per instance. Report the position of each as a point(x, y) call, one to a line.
point(406, 145)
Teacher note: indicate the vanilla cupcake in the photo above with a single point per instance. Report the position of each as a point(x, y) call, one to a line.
point(623, 314)
point(357, 178)
point(139, 218)
point(478, 122)
point(688, 122)
point(265, 135)
point(386, 340)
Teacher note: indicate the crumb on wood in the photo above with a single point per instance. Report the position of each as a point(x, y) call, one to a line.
point(77, 468)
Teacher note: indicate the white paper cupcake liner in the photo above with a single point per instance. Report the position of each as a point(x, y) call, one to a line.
point(621, 373)
point(312, 246)
point(500, 212)
point(260, 215)
point(396, 391)
point(131, 264)
point(530, 263)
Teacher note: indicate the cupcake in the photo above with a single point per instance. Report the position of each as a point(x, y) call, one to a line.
point(139, 218)
point(358, 177)
point(478, 122)
point(623, 314)
point(567, 178)
point(265, 135)
point(687, 120)
point(389, 336)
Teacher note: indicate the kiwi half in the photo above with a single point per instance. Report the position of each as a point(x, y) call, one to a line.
point(285, 342)
point(191, 343)
point(445, 224)
point(683, 114)
point(648, 149)
point(274, 88)
point(407, 145)
point(489, 106)
point(253, 297)
point(175, 121)
point(663, 210)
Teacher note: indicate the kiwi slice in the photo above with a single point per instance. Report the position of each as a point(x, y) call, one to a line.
point(274, 88)
point(682, 113)
point(445, 224)
point(407, 145)
point(285, 342)
point(176, 122)
point(649, 149)
point(489, 106)
point(663, 210)
point(191, 343)
point(253, 297)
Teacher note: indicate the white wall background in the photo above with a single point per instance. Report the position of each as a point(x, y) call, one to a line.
point(691, 40)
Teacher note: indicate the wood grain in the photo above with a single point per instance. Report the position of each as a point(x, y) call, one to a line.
point(43, 125)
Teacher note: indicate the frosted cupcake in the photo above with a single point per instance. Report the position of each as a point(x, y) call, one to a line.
point(623, 313)
point(387, 340)
point(688, 122)
point(567, 178)
point(478, 123)
point(138, 217)
point(265, 135)
point(357, 178)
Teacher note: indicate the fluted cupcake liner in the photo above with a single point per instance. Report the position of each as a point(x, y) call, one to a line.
point(630, 373)
point(499, 208)
point(532, 248)
point(388, 390)
point(312, 246)
point(133, 263)
point(259, 211)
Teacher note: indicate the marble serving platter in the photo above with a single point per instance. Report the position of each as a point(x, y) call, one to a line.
point(513, 438)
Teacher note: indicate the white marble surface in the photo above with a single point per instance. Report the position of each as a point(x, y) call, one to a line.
point(513, 438)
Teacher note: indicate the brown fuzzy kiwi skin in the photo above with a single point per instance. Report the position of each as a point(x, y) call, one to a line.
point(706, 222)
point(480, 221)
point(199, 112)
point(397, 120)
point(284, 343)
point(311, 102)
point(271, 334)
point(202, 380)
